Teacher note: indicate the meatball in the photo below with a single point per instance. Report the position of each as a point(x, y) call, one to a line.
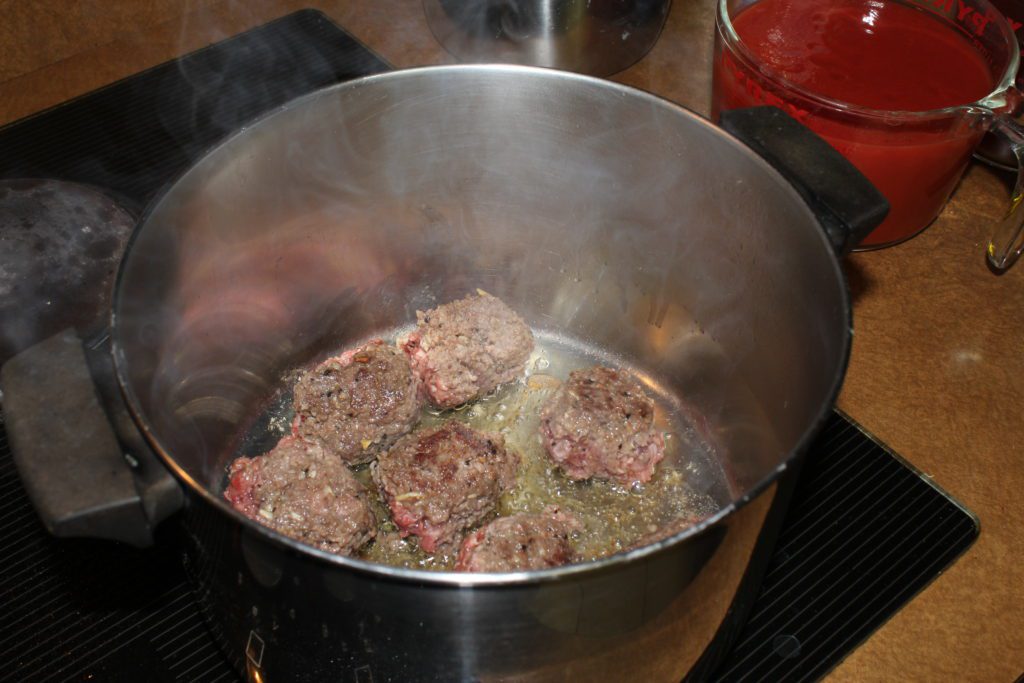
point(600, 423)
point(464, 349)
point(520, 542)
point(438, 483)
point(357, 404)
point(300, 491)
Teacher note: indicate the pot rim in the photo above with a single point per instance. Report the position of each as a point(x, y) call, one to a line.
point(455, 578)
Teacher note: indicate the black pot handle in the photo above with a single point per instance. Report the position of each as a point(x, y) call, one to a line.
point(86, 468)
point(845, 202)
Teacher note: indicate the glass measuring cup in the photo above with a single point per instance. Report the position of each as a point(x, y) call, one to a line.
point(914, 156)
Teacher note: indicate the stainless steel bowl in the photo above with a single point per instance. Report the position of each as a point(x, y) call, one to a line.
point(597, 37)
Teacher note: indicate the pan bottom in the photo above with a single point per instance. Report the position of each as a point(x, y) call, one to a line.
point(688, 484)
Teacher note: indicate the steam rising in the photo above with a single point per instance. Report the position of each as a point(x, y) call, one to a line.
point(596, 213)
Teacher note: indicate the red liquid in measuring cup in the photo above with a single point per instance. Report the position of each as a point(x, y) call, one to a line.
point(876, 54)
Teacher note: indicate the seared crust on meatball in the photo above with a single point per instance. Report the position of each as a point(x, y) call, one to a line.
point(302, 492)
point(600, 423)
point(357, 404)
point(464, 349)
point(438, 483)
point(520, 542)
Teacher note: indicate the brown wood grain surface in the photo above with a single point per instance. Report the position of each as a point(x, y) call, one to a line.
point(938, 363)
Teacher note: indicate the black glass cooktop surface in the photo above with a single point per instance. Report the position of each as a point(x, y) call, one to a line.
point(864, 534)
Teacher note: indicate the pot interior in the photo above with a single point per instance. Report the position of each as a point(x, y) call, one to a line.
point(602, 215)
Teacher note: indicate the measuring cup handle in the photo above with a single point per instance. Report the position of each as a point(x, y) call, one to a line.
point(1007, 242)
point(847, 205)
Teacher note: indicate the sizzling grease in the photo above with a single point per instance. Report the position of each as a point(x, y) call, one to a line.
point(613, 516)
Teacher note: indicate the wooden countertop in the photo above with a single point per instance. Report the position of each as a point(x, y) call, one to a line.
point(938, 361)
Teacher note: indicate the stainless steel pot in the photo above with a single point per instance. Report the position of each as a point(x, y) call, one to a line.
point(597, 37)
point(594, 210)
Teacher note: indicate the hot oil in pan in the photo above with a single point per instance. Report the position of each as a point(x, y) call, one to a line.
point(687, 484)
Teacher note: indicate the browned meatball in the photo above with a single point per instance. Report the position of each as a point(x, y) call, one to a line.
point(302, 492)
point(357, 404)
point(464, 349)
point(600, 423)
point(438, 483)
point(520, 542)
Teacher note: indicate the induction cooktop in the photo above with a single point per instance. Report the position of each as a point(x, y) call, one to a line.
point(864, 534)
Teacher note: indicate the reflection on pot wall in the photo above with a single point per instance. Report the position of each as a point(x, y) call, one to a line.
point(294, 618)
point(338, 218)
